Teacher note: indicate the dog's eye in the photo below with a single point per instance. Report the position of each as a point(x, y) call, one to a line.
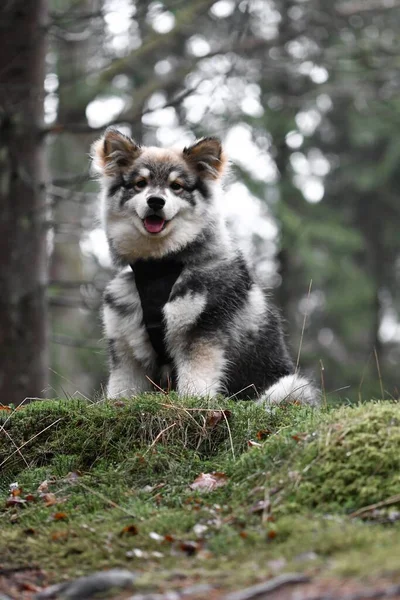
point(177, 187)
point(141, 184)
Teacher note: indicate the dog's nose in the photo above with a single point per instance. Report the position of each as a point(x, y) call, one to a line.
point(155, 202)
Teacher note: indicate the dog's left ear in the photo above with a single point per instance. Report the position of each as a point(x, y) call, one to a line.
point(206, 157)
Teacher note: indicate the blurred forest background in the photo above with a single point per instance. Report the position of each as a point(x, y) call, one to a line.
point(306, 96)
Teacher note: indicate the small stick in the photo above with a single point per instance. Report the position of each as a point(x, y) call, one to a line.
point(259, 590)
point(366, 509)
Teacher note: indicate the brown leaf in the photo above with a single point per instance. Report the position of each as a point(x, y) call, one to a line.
point(216, 416)
point(169, 538)
point(15, 501)
point(207, 482)
point(59, 535)
point(263, 434)
point(190, 548)
point(60, 516)
point(29, 531)
point(49, 499)
point(129, 530)
point(43, 487)
point(271, 534)
point(30, 498)
point(5, 408)
point(299, 437)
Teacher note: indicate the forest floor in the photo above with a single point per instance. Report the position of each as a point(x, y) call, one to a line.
point(201, 498)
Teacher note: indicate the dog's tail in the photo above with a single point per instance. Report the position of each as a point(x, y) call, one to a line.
point(291, 388)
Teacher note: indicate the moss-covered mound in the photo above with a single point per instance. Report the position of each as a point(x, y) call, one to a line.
point(291, 479)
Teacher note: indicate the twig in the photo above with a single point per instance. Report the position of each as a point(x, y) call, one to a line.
point(304, 325)
point(392, 500)
point(258, 591)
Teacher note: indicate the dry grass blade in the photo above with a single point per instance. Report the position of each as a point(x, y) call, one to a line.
point(378, 367)
point(104, 498)
point(157, 386)
point(15, 446)
point(303, 328)
point(154, 442)
point(30, 440)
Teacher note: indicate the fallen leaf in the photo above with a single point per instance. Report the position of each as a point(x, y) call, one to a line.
point(43, 487)
point(169, 538)
point(60, 516)
point(72, 476)
point(189, 548)
point(15, 501)
point(49, 499)
point(59, 535)
point(29, 531)
point(129, 530)
point(30, 498)
point(207, 482)
point(216, 416)
point(263, 434)
point(271, 534)
point(6, 408)
point(299, 437)
point(243, 534)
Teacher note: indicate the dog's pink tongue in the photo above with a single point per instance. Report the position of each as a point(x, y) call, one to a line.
point(154, 224)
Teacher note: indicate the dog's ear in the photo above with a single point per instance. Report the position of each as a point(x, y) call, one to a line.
point(206, 157)
point(113, 153)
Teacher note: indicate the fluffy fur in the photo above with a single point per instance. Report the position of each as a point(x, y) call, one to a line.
point(221, 333)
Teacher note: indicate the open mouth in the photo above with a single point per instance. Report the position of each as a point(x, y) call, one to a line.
point(154, 224)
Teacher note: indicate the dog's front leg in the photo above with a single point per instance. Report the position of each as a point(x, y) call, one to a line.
point(200, 367)
point(127, 375)
point(199, 360)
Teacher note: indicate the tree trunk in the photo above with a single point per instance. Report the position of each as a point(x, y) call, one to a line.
point(23, 244)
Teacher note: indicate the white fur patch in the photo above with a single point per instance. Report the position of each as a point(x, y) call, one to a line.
point(292, 388)
point(200, 373)
point(182, 313)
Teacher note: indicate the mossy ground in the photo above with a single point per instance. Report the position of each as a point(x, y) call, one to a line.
point(288, 502)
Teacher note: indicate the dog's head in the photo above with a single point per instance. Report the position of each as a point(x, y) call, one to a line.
point(155, 201)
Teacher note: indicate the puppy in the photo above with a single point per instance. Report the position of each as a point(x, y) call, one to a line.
point(184, 307)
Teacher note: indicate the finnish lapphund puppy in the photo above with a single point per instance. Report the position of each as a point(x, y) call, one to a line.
point(184, 306)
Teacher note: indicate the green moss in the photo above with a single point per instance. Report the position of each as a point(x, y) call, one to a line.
point(138, 457)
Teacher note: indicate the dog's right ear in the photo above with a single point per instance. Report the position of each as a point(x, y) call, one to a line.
point(113, 153)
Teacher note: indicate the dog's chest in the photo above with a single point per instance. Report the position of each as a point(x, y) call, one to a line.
point(154, 279)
